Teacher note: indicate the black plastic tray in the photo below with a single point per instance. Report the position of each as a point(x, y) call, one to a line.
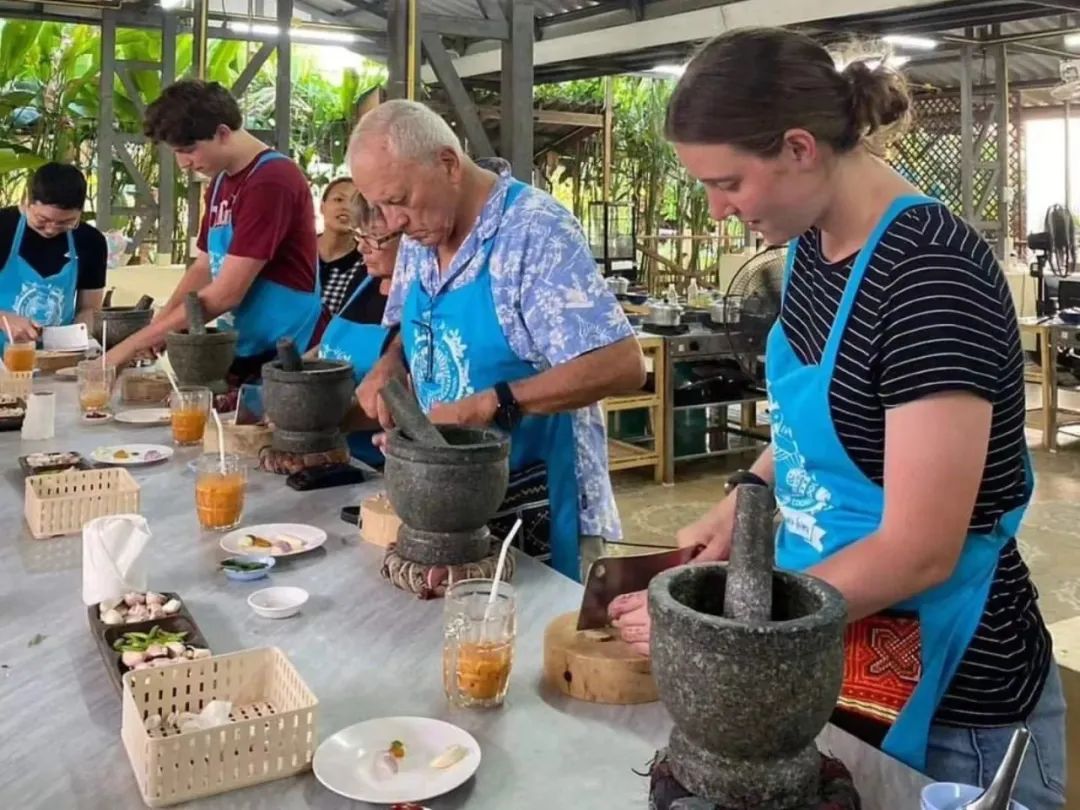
point(113, 660)
point(81, 463)
point(14, 422)
point(97, 626)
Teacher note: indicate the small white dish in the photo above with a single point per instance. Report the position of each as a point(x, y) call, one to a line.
point(345, 761)
point(950, 795)
point(145, 416)
point(278, 602)
point(97, 418)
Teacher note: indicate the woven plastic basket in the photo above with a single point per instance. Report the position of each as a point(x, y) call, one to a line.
point(271, 733)
point(16, 383)
point(61, 503)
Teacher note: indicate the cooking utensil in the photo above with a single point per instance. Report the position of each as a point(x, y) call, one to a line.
point(288, 356)
point(999, 795)
point(618, 285)
point(195, 316)
point(612, 576)
point(408, 416)
point(660, 313)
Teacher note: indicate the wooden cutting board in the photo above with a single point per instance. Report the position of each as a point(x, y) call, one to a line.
point(378, 521)
point(596, 666)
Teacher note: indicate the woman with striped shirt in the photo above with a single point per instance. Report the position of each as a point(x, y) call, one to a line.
point(895, 379)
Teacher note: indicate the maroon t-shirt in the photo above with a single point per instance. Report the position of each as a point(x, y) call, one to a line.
point(273, 219)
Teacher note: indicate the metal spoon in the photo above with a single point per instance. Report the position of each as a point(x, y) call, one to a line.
point(999, 795)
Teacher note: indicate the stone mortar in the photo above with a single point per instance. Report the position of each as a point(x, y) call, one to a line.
point(747, 697)
point(123, 322)
point(201, 359)
point(451, 490)
point(308, 406)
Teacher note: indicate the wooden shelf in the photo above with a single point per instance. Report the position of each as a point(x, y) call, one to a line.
point(623, 455)
point(626, 456)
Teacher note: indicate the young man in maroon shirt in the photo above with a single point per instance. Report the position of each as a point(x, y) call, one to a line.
point(255, 269)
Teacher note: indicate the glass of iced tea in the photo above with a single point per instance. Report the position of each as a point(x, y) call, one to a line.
point(478, 643)
point(219, 491)
point(190, 408)
point(20, 355)
point(95, 385)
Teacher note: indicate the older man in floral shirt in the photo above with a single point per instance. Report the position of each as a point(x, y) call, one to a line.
point(504, 319)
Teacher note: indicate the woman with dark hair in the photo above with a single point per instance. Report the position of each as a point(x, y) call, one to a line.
point(341, 267)
point(896, 395)
point(356, 333)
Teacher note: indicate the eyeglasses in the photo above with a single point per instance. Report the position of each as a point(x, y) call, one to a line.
point(373, 243)
point(41, 222)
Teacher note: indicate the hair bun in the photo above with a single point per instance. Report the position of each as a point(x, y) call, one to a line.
point(880, 101)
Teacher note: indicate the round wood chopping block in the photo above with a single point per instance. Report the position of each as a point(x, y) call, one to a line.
point(243, 440)
point(595, 665)
point(379, 522)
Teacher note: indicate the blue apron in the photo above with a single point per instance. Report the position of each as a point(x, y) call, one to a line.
point(827, 503)
point(269, 311)
point(455, 347)
point(47, 301)
point(360, 344)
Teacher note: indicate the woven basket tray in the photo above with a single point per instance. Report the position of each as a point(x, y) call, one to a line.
point(272, 733)
point(63, 503)
point(16, 383)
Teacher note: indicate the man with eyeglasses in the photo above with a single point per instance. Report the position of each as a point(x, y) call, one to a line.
point(255, 270)
point(54, 266)
point(505, 319)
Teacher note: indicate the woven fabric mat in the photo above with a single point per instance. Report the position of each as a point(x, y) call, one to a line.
point(431, 581)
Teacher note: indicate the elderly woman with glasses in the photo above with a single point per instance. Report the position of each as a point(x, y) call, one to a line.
point(54, 273)
point(356, 333)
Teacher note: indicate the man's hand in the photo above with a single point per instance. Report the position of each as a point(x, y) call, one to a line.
point(629, 614)
point(477, 410)
point(367, 393)
point(21, 328)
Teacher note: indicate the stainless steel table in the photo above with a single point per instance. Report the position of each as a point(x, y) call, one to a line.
point(365, 649)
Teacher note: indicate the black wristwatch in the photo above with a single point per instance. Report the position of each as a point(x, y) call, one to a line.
point(743, 477)
point(508, 414)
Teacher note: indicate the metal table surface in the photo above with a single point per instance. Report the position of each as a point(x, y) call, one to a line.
point(366, 649)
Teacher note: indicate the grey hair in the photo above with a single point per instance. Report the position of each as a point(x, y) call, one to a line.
point(413, 130)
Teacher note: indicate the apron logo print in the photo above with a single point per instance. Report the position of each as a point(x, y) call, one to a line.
point(800, 496)
point(450, 367)
point(41, 303)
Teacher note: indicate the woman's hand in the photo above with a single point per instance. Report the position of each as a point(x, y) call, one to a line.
point(712, 531)
point(21, 328)
point(629, 614)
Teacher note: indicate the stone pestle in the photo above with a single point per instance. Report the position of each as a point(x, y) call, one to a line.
point(408, 415)
point(288, 357)
point(749, 592)
point(196, 318)
point(144, 303)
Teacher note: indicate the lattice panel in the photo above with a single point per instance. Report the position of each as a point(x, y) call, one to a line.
point(930, 157)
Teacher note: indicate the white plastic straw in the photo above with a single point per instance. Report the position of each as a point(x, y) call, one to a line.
point(499, 571)
point(104, 343)
point(220, 437)
point(7, 328)
point(172, 381)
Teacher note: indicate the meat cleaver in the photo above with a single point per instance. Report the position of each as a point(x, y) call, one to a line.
point(611, 576)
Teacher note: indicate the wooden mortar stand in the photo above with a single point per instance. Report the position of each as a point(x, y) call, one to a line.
point(595, 665)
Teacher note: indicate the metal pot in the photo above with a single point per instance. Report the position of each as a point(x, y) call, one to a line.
point(618, 285)
point(664, 314)
point(725, 310)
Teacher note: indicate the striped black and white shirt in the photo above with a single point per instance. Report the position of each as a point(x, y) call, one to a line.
point(933, 314)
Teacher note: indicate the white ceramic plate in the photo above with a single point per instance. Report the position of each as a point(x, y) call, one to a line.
point(344, 763)
point(312, 536)
point(69, 373)
point(138, 455)
point(145, 416)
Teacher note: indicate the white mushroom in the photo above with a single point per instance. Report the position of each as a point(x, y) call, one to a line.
point(108, 604)
point(157, 651)
point(112, 617)
point(132, 657)
point(172, 606)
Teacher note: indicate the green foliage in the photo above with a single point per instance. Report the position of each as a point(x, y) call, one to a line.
point(50, 76)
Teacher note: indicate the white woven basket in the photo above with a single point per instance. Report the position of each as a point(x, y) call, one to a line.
point(271, 733)
point(62, 503)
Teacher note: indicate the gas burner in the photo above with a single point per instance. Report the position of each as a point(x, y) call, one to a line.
point(666, 331)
